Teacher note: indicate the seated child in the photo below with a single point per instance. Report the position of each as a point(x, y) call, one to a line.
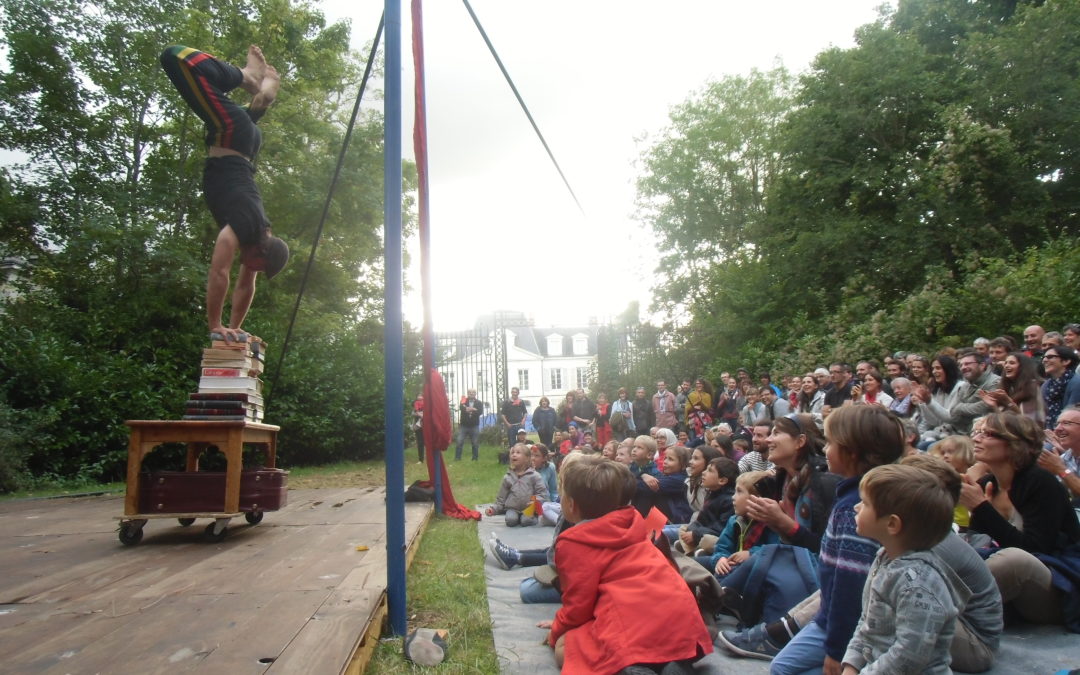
point(642, 453)
point(740, 446)
point(959, 453)
point(741, 536)
point(520, 484)
point(670, 485)
point(616, 585)
point(608, 451)
point(622, 453)
point(696, 492)
point(860, 438)
point(571, 439)
point(911, 598)
point(538, 455)
point(701, 535)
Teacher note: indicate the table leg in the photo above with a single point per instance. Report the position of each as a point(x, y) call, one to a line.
point(234, 458)
point(194, 450)
point(136, 452)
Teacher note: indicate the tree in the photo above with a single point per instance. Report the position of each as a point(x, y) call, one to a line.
point(704, 180)
point(106, 209)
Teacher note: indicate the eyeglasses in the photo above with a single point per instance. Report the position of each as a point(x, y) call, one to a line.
point(1068, 423)
point(1050, 356)
point(975, 433)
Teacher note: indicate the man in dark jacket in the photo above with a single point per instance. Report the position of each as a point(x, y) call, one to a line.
point(471, 409)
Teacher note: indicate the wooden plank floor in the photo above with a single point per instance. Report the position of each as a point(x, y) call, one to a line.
point(291, 594)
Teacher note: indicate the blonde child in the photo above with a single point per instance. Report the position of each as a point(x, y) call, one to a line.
point(616, 585)
point(671, 485)
point(519, 486)
point(608, 451)
point(741, 536)
point(911, 598)
point(959, 453)
point(622, 453)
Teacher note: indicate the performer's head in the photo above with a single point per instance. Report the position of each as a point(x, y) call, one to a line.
point(269, 256)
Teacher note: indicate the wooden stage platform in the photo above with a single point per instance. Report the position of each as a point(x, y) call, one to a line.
point(290, 595)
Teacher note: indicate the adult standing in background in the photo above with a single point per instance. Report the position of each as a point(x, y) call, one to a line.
point(623, 408)
point(584, 411)
point(471, 409)
point(512, 413)
point(543, 420)
point(681, 397)
point(643, 412)
point(664, 407)
point(418, 426)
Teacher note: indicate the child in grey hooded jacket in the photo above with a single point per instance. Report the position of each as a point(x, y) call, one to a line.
point(519, 486)
point(911, 598)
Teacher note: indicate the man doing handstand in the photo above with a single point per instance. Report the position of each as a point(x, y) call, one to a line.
point(233, 141)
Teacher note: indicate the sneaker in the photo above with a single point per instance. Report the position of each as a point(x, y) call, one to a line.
point(731, 602)
point(506, 556)
point(753, 642)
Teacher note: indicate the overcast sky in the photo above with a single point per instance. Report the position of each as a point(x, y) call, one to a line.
point(599, 76)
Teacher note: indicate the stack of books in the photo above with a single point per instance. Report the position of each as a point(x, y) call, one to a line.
point(229, 384)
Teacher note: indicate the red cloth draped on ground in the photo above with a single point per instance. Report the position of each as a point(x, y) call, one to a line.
point(436, 425)
point(437, 434)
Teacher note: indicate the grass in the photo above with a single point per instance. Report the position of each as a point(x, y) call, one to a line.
point(445, 586)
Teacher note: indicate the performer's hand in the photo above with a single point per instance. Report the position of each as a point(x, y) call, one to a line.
point(230, 334)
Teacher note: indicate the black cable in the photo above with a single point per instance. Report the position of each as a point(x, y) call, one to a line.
point(326, 207)
point(521, 101)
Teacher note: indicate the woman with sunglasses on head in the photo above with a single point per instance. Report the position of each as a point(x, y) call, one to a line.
point(1024, 509)
point(1061, 388)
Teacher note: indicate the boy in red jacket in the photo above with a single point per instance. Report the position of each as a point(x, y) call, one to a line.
point(617, 586)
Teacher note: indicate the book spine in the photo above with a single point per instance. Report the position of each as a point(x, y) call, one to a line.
point(223, 372)
point(218, 412)
point(195, 403)
point(217, 418)
point(246, 397)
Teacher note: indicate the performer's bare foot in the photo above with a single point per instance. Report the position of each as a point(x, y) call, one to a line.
point(254, 71)
point(268, 90)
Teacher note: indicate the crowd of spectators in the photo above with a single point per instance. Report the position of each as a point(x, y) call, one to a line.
point(784, 492)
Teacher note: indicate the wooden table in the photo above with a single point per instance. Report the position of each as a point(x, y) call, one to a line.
point(229, 436)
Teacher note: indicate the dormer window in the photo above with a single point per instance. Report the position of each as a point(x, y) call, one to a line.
point(554, 345)
point(581, 345)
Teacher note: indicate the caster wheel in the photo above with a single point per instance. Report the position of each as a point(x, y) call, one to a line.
point(209, 533)
point(184, 522)
point(130, 534)
point(253, 517)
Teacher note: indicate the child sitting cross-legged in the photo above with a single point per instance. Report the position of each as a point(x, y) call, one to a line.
point(911, 598)
point(519, 486)
point(701, 535)
point(616, 585)
point(742, 536)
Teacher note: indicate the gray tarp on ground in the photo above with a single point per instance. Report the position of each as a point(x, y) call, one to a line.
point(1034, 650)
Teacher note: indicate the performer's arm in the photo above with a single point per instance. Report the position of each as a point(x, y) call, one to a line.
point(217, 282)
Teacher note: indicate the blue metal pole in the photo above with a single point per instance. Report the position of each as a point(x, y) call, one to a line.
point(393, 367)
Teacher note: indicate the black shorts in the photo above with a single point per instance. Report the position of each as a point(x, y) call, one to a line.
point(234, 199)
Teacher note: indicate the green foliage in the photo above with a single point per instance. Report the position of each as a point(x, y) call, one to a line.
point(922, 192)
point(103, 319)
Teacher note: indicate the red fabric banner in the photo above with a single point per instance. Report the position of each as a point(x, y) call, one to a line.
point(436, 425)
